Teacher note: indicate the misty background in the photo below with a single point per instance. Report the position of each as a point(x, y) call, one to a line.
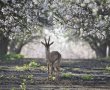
point(68, 49)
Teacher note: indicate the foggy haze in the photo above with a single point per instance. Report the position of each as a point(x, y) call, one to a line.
point(67, 49)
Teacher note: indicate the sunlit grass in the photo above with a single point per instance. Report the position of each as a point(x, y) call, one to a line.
point(4, 67)
point(31, 65)
point(76, 69)
point(87, 77)
point(22, 68)
point(107, 68)
point(11, 57)
point(67, 75)
point(43, 68)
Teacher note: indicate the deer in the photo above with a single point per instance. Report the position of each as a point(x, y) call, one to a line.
point(53, 59)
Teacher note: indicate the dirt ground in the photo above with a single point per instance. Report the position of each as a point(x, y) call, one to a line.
point(75, 75)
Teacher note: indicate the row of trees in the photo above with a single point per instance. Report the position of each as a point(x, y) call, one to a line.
point(91, 23)
point(87, 20)
point(21, 21)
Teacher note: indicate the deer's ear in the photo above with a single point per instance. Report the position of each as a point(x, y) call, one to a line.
point(51, 43)
point(43, 43)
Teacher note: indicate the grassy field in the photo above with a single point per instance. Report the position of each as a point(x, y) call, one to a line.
point(31, 74)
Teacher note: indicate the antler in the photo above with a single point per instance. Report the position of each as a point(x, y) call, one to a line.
point(47, 42)
point(51, 43)
point(43, 43)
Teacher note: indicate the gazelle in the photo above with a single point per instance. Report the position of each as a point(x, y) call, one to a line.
point(52, 58)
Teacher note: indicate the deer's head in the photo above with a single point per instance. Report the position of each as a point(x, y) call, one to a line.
point(47, 43)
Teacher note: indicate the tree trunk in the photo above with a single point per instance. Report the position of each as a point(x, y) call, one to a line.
point(100, 54)
point(4, 41)
point(99, 50)
point(15, 47)
point(18, 50)
point(107, 51)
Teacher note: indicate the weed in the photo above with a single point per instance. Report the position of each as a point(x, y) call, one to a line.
point(30, 76)
point(22, 68)
point(87, 77)
point(3, 67)
point(67, 75)
point(10, 57)
point(43, 68)
point(13, 88)
point(77, 69)
point(107, 68)
point(2, 76)
point(23, 85)
point(29, 66)
point(33, 64)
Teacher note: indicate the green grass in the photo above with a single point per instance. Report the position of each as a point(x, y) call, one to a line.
point(67, 75)
point(31, 65)
point(23, 85)
point(107, 68)
point(77, 69)
point(34, 64)
point(3, 67)
point(22, 68)
point(11, 57)
point(87, 77)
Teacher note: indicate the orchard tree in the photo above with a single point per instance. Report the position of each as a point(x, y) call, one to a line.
point(18, 20)
point(18, 40)
point(88, 20)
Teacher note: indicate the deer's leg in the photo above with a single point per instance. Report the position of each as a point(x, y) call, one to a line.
point(49, 70)
point(52, 68)
point(48, 66)
point(57, 70)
